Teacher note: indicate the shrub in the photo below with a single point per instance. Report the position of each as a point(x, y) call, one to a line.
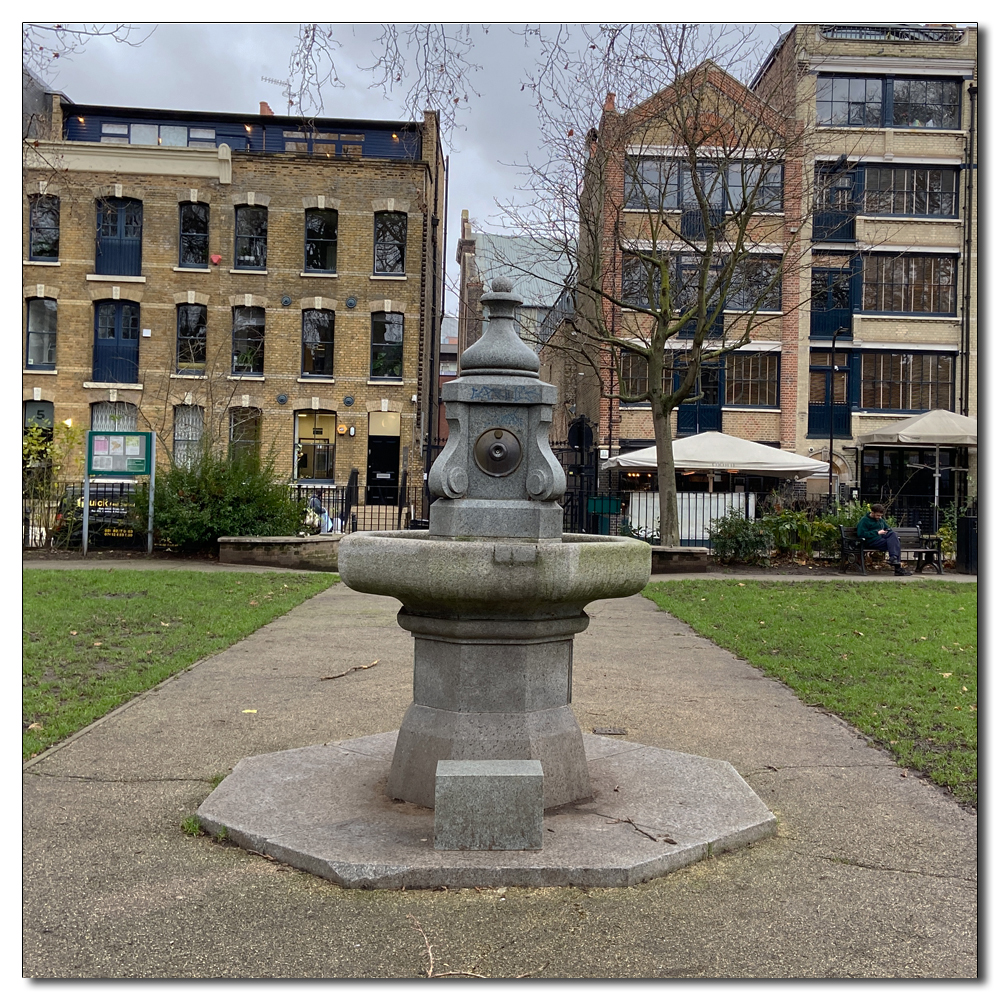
point(793, 531)
point(735, 538)
point(219, 496)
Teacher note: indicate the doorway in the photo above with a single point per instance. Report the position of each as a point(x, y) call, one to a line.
point(315, 445)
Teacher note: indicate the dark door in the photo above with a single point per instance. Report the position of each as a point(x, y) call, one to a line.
point(704, 414)
point(837, 196)
point(382, 487)
point(828, 394)
point(830, 306)
point(119, 236)
point(116, 342)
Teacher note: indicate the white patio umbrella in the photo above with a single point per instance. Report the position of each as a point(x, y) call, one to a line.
point(937, 428)
point(717, 452)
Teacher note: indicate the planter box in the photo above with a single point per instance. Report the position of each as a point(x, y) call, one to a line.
point(679, 559)
point(316, 552)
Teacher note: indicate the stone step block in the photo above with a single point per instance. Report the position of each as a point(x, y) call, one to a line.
point(488, 805)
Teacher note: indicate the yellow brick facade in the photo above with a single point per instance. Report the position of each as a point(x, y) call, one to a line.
point(80, 173)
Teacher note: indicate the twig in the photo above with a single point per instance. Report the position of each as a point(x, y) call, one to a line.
point(364, 666)
point(430, 973)
point(645, 833)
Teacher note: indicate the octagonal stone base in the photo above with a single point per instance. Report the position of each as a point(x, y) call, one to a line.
point(324, 809)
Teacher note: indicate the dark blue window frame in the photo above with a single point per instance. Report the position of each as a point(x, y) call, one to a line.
point(43, 225)
point(116, 341)
point(390, 242)
point(321, 226)
point(865, 100)
point(193, 235)
point(119, 237)
point(656, 183)
point(42, 320)
point(251, 238)
point(905, 195)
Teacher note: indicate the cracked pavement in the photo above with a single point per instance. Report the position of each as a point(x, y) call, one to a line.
point(871, 874)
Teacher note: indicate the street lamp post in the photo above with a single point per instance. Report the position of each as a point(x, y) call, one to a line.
point(833, 372)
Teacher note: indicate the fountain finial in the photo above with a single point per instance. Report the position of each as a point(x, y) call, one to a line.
point(500, 351)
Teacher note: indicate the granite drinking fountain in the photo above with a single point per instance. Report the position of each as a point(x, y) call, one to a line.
point(493, 594)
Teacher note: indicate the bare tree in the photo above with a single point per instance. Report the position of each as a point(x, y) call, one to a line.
point(675, 212)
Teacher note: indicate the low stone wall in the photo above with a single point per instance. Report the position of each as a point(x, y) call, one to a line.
point(679, 559)
point(317, 552)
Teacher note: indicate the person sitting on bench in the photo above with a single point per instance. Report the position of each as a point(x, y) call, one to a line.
point(876, 534)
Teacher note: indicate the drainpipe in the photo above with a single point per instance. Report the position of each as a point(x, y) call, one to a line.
point(970, 167)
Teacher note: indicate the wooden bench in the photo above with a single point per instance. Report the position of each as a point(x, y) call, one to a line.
point(912, 543)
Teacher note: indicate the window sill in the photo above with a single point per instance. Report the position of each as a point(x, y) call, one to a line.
point(245, 378)
point(112, 385)
point(923, 130)
point(196, 270)
point(385, 381)
point(938, 317)
point(953, 219)
point(318, 274)
point(39, 371)
point(247, 270)
point(751, 408)
point(40, 263)
point(118, 278)
point(317, 379)
point(186, 375)
point(388, 277)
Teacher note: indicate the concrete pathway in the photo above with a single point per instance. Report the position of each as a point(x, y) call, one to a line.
point(873, 872)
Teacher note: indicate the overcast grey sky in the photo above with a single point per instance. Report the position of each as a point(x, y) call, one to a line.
point(218, 67)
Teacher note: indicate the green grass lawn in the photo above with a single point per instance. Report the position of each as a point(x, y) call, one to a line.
point(898, 661)
point(95, 638)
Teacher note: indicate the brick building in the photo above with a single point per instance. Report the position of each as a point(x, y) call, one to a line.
point(258, 279)
point(889, 250)
point(872, 207)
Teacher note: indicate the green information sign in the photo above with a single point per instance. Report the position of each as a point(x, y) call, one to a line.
point(119, 453)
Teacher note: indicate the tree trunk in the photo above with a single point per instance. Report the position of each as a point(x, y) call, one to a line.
point(669, 529)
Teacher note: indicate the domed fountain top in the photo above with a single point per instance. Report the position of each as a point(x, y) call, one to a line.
point(500, 351)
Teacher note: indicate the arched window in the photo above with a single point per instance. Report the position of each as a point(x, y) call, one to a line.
point(193, 237)
point(390, 242)
point(321, 240)
point(42, 314)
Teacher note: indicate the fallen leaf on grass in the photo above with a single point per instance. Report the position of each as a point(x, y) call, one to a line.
point(249, 711)
point(946, 675)
point(364, 666)
point(73, 632)
point(253, 604)
point(856, 632)
point(35, 725)
point(165, 623)
point(98, 643)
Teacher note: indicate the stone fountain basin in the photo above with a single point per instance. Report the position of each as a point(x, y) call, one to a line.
point(493, 578)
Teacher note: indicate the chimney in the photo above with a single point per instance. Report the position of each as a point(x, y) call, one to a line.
point(265, 108)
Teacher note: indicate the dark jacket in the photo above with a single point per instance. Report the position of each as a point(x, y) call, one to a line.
point(869, 528)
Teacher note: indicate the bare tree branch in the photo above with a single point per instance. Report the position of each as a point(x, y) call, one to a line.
point(43, 44)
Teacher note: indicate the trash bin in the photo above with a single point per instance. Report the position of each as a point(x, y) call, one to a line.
point(599, 511)
point(967, 545)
